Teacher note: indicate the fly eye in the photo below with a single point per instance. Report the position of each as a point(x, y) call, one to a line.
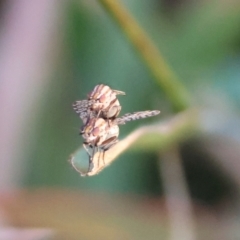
point(102, 98)
point(95, 131)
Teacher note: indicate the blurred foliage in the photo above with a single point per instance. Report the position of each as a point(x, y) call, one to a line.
point(200, 41)
point(89, 216)
point(196, 42)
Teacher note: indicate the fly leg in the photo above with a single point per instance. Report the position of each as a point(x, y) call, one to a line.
point(91, 158)
point(85, 146)
point(90, 155)
point(95, 149)
point(107, 144)
point(99, 112)
point(99, 157)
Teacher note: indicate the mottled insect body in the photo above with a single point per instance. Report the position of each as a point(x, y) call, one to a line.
point(99, 132)
point(102, 102)
point(99, 136)
point(105, 101)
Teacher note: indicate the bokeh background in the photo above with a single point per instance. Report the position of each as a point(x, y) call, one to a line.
point(53, 53)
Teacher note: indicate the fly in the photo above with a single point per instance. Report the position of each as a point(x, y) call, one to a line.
point(101, 102)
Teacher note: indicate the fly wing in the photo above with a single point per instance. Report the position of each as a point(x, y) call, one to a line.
point(135, 116)
point(81, 107)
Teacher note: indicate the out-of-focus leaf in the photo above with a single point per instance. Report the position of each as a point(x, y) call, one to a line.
point(77, 215)
point(80, 215)
point(225, 78)
point(10, 233)
point(201, 37)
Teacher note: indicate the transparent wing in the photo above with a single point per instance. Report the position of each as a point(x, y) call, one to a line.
point(81, 106)
point(135, 116)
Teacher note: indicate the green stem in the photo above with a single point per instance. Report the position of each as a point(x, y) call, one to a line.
point(162, 73)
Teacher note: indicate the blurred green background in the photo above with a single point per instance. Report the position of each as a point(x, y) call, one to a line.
point(55, 52)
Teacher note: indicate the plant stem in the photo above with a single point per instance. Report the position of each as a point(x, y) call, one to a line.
point(163, 75)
